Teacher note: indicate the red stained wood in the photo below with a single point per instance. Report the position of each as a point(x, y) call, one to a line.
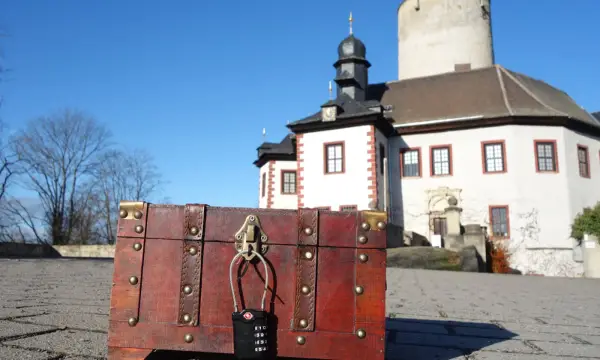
point(127, 353)
point(162, 276)
point(319, 344)
point(333, 309)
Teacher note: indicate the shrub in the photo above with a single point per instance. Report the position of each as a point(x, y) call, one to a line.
point(499, 257)
point(586, 222)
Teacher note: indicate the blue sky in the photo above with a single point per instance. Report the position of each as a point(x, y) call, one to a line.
point(194, 82)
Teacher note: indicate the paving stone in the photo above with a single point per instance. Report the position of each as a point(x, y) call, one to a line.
point(71, 342)
point(9, 313)
point(556, 329)
point(433, 314)
point(573, 350)
point(415, 326)
point(8, 353)
point(463, 342)
point(20, 301)
point(79, 321)
point(70, 309)
point(591, 339)
point(9, 329)
point(411, 352)
point(499, 333)
point(490, 355)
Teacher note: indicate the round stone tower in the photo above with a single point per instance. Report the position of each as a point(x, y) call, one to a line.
point(440, 36)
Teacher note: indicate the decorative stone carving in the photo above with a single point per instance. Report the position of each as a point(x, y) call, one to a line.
point(452, 201)
point(439, 199)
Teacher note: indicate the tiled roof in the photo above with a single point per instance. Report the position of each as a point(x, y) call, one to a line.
point(350, 109)
point(483, 93)
point(286, 146)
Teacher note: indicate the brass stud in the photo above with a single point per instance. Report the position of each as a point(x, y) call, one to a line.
point(133, 280)
point(308, 255)
point(308, 231)
point(363, 258)
point(301, 340)
point(305, 290)
point(139, 228)
point(132, 321)
point(359, 290)
point(365, 226)
point(188, 338)
point(381, 225)
point(361, 333)
point(138, 214)
point(193, 250)
point(194, 230)
point(187, 289)
point(123, 213)
point(362, 239)
point(303, 323)
point(187, 318)
point(137, 246)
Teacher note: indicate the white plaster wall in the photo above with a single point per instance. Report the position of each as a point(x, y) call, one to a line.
point(349, 188)
point(262, 200)
point(541, 205)
point(283, 201)
point(586, 192)
point(440, 34)
point(380, 139)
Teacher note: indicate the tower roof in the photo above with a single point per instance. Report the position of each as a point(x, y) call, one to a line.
point(351, 47)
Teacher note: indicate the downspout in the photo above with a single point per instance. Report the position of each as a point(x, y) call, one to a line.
point(388, 205)
point(385, 185)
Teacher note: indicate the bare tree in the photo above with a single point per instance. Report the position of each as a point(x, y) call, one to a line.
point(8, 172)
point(58, 153)
point(8, 161)
point(123, 176)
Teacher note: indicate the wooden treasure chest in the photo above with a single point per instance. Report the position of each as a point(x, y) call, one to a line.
point(171, 291)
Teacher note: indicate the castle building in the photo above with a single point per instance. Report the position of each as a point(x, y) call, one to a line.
point(512, 153)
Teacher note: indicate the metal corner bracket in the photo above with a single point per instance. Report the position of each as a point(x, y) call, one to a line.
point(131, 210)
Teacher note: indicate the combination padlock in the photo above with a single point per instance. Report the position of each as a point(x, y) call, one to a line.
point(250, 327)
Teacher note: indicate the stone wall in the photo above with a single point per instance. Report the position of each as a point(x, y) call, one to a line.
point(19, 250)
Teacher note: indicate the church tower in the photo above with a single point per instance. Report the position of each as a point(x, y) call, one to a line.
point(352, 74)
point(440, 36)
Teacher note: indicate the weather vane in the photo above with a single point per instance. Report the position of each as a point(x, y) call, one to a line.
point(350, 20)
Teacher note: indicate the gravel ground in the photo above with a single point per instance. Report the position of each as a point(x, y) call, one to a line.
point(57, 309)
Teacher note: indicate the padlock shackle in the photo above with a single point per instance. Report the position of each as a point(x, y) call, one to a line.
point(262, 259)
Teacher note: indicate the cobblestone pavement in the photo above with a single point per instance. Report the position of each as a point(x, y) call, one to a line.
point(57, 309)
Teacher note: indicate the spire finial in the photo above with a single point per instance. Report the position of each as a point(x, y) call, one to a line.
point(350, 20)
point(330, 91)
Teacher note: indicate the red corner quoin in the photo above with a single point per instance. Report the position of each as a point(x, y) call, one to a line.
point(372, 165)
point(271, 182)
point(300, 170)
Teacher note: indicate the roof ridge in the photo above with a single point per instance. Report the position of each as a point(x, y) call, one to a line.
point(530, 93)
point(439, 75)
point(503, 88)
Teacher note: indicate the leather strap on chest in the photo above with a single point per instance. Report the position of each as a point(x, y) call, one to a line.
point(306, 270)
point(191, 265)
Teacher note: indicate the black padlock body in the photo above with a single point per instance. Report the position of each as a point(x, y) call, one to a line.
point(250, 334)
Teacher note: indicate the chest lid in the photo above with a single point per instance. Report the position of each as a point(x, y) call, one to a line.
point(254, 227)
